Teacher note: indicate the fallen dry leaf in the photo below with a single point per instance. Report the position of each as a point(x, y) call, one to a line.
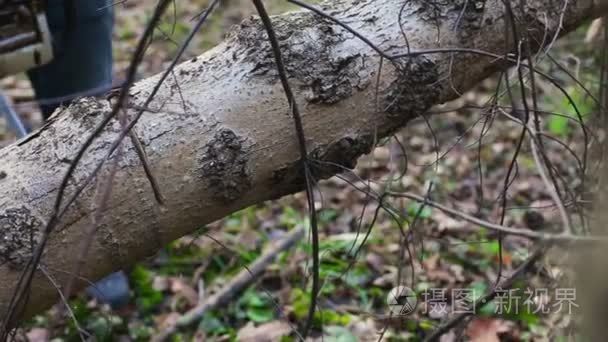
point(167, 320)
point(431, 263)
point(375, 261)
point(160, 283)
point(181, 288)
point(486, 329)
point(38, 335)
point(267, 332)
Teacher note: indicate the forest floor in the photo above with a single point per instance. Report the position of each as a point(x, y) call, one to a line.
point(442, 259)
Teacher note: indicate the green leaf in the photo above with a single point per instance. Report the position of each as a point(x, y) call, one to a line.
point(79, 309)
point(147, 297)
point(327, 215)
point(291, 217)
point(140, 332)
point(257, 307)
point(558, 124)
point(488, 309)
point(426, 324)
point(414, 209)
point(490, 248)
point(178, 338)
point(300, 302)
point(338, 334)
point(527, 317)
point(331, 317)
point(260, 314)
point(101, 327)
point(478, 290)
point(212, 325)
point(257, 301)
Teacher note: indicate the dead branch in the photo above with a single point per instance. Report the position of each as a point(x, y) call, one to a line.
point(236, 285)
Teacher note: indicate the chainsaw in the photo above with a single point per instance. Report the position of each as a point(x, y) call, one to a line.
point(25, 43)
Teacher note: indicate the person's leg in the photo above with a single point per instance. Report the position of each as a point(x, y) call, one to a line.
point(82, 44)
point(82, 65)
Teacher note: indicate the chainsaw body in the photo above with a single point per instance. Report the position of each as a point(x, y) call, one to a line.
point(25, 38)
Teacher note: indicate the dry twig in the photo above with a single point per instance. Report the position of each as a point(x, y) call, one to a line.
point(241, 281)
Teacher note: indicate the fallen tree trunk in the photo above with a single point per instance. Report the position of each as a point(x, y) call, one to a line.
point(220, 136)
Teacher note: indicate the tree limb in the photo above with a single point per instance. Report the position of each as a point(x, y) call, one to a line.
point(226, 141)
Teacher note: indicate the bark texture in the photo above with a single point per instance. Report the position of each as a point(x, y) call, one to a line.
point(222, 138)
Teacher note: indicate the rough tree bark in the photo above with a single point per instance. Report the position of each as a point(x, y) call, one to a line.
point(222, 138)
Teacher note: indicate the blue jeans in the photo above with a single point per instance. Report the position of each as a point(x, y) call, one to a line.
point(82, 66)
point(82, 46)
